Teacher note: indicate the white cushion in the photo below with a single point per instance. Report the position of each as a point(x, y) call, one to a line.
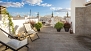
point(4, 37)
point(14, 43)
point(20, 29)
point(16, 26)
point(28, 26)
point(31, 31)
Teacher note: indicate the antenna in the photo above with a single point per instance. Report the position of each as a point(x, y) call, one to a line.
point(52, 14)
point(67, 14)
point(30, 12)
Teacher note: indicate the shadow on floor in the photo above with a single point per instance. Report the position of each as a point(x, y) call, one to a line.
point(85, 41)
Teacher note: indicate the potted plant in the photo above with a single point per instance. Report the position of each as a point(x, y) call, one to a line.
point(67, 26)
point(38, 26)
point(58, 26)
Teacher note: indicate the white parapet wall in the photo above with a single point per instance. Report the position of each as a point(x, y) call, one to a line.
point(16, 22)
point(20, 22)
point(74, 4)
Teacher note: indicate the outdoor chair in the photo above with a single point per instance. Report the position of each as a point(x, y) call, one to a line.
point(12, 43)
point(30, 31)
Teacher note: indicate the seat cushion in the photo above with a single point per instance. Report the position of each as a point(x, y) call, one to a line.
point(31, 31)
point(20, 29)
point(14, 43)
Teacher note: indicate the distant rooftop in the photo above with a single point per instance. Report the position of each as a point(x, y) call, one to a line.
point(88, 3)
point(2, 8)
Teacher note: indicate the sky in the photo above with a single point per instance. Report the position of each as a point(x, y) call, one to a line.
point(44, 7)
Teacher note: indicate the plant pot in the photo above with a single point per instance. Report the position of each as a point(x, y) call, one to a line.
point(38, 30)
point(66, 29)
point(58, 30)
point(71, 31)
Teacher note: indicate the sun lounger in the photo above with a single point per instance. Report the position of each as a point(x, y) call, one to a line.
point(30, 30)
point(12, 43)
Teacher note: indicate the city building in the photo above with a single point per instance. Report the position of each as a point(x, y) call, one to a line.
point(1, 9)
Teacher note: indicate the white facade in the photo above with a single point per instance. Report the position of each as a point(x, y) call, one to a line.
point(68, 20)
point(52, 22)
point(75, 3)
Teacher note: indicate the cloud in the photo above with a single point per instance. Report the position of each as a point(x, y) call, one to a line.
point(55, 8)
point(52, 8)
point(57, 12)
point(45, 5)
point(62, 10)
point(37, 2)
point(68, 8)
point(59, 9)
point(33, 1)
point(23, 2)
point(11, 4)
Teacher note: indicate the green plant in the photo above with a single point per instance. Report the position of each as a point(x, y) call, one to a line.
point(59, 25)
point(38, 25)
point(67, 25)
point(10, 23)
point(4, 17)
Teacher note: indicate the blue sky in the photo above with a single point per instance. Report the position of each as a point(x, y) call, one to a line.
point(44, 7)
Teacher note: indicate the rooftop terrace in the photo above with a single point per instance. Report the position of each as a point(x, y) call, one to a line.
point(51, 40)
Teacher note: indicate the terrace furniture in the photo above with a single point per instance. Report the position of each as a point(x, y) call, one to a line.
point(30, 31)
point(11, 42)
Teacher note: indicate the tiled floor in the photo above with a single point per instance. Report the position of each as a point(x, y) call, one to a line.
point(51, 40)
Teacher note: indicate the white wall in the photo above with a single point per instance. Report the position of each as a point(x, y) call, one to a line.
point(20, 22)
point(75, 3)
point(16, 22)
point(0, 16)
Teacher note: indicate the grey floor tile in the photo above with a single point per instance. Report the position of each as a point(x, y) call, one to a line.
point(51, 40)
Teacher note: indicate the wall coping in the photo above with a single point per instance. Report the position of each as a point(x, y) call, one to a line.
point(88, 3)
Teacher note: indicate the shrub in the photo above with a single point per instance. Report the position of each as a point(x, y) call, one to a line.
point(38, 25)
point(67, 25)
point(59, 25)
